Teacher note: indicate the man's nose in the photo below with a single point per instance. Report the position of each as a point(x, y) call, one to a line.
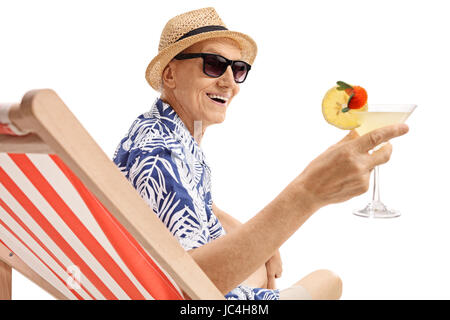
point(227, 79)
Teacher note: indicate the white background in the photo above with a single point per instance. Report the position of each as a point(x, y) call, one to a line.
point(94, 55)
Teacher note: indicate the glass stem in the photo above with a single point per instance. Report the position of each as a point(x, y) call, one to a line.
point(376, 185)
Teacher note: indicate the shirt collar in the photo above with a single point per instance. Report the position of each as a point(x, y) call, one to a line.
point(174, 124)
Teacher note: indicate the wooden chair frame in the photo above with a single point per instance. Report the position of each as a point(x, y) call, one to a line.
point(54, 129)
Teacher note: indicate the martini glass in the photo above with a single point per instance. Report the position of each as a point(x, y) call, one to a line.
point(377, 116)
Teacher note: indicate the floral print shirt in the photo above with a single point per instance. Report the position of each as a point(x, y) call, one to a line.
point(167, 167)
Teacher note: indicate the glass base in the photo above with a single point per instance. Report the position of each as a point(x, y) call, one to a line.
point(376, 209)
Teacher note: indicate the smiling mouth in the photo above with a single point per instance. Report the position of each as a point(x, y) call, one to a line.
point(218, 99)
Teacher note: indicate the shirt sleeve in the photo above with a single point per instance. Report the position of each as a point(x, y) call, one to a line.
point(166, 183)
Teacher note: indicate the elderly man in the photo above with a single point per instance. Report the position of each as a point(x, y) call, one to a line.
point(198, 71)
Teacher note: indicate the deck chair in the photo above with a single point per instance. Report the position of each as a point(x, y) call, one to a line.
point(72, 223)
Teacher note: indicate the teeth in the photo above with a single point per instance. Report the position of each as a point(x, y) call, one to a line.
point(217, 97)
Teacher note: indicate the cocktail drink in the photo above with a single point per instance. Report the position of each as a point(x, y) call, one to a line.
point(379, 116)
point(346, 107)
point(375, 117)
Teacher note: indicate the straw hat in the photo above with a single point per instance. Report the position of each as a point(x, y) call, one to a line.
point(188, 28)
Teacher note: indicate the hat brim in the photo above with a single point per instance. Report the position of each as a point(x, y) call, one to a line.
point(155, 68)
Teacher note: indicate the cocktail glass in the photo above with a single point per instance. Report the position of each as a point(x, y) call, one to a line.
point(377, 116)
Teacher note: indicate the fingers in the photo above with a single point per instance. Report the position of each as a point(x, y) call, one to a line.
point(350, 136)
point(381, 155)
point(271, 283)
point(372, 139)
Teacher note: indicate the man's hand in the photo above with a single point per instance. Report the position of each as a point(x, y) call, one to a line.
point(274, 269)
point(343, 171)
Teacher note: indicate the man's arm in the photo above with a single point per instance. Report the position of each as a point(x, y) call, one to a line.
point(258, 279)
point(228, 222)
point(339, 174)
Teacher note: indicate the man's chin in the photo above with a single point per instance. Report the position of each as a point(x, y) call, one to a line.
point(219, 118)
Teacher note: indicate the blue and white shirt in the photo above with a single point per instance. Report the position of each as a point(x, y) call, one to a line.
point(167, 167)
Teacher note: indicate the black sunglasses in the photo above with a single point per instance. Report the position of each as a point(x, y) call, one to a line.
point(214, 65)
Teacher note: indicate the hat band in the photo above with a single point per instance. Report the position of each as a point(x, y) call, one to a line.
point(201, 30)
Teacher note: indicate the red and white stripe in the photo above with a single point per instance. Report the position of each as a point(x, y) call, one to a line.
point(53, 222)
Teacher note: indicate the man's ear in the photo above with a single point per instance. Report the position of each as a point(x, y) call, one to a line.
point(168, 75)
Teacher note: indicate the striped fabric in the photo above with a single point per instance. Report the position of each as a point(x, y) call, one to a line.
point(6, 126)
point(59, 228)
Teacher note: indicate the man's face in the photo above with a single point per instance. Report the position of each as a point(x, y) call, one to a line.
point(193, 88)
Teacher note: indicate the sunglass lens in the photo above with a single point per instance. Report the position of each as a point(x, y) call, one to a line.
point(215, 66)
point(239, 71)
